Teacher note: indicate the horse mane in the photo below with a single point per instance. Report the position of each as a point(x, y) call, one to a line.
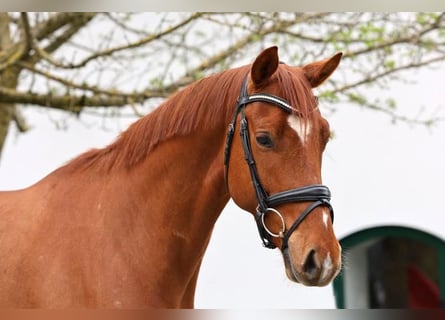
point(204, 104)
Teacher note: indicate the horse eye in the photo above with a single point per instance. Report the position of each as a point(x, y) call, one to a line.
point(264, 140)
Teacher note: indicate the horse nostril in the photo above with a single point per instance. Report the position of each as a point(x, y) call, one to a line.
point(311, 264)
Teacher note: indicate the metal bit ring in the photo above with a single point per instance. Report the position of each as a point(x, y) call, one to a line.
point(276, 235)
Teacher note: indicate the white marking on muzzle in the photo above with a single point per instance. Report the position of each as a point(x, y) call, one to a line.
point(326, 268)
point(326, 217)
point(302, 129)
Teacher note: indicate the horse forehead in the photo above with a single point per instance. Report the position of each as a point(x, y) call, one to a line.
point(302, 128)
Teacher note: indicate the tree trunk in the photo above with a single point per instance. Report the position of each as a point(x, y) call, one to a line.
point(8, 79)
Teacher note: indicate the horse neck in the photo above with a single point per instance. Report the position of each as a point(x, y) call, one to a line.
point(180, 192)
point(163, 203)
point(183, 180)
point(182, 177)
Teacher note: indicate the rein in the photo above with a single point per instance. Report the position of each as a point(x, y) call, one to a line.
point(318, 194)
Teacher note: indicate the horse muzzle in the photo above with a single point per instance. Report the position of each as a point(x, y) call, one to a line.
point(313, 266)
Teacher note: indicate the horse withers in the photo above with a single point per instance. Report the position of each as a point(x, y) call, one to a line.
point(126, 226)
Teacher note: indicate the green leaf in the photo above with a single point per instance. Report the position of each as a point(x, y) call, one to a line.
point(391, 103)
point(256, 37)
point(390, 64)
point(356, 98)
point(328, 96)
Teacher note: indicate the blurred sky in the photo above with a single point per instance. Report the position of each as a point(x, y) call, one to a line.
point(379, 173)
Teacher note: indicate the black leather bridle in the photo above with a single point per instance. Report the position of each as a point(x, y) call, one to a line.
point(318, 194)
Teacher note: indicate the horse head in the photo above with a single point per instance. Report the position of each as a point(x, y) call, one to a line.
point(273, 167)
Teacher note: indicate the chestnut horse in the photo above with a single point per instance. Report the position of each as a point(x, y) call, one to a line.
point(127, 225)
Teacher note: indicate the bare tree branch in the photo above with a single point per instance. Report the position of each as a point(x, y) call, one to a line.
point(69, 61)
point(72, 103)
point(46, 28)
point(109, 52)
point(388, 72)
point(146, 94)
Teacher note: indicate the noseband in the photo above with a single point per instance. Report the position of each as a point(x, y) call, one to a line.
point(319, 195)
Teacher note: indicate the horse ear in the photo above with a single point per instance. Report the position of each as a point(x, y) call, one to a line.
point(265, 65)
point(318, 72)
